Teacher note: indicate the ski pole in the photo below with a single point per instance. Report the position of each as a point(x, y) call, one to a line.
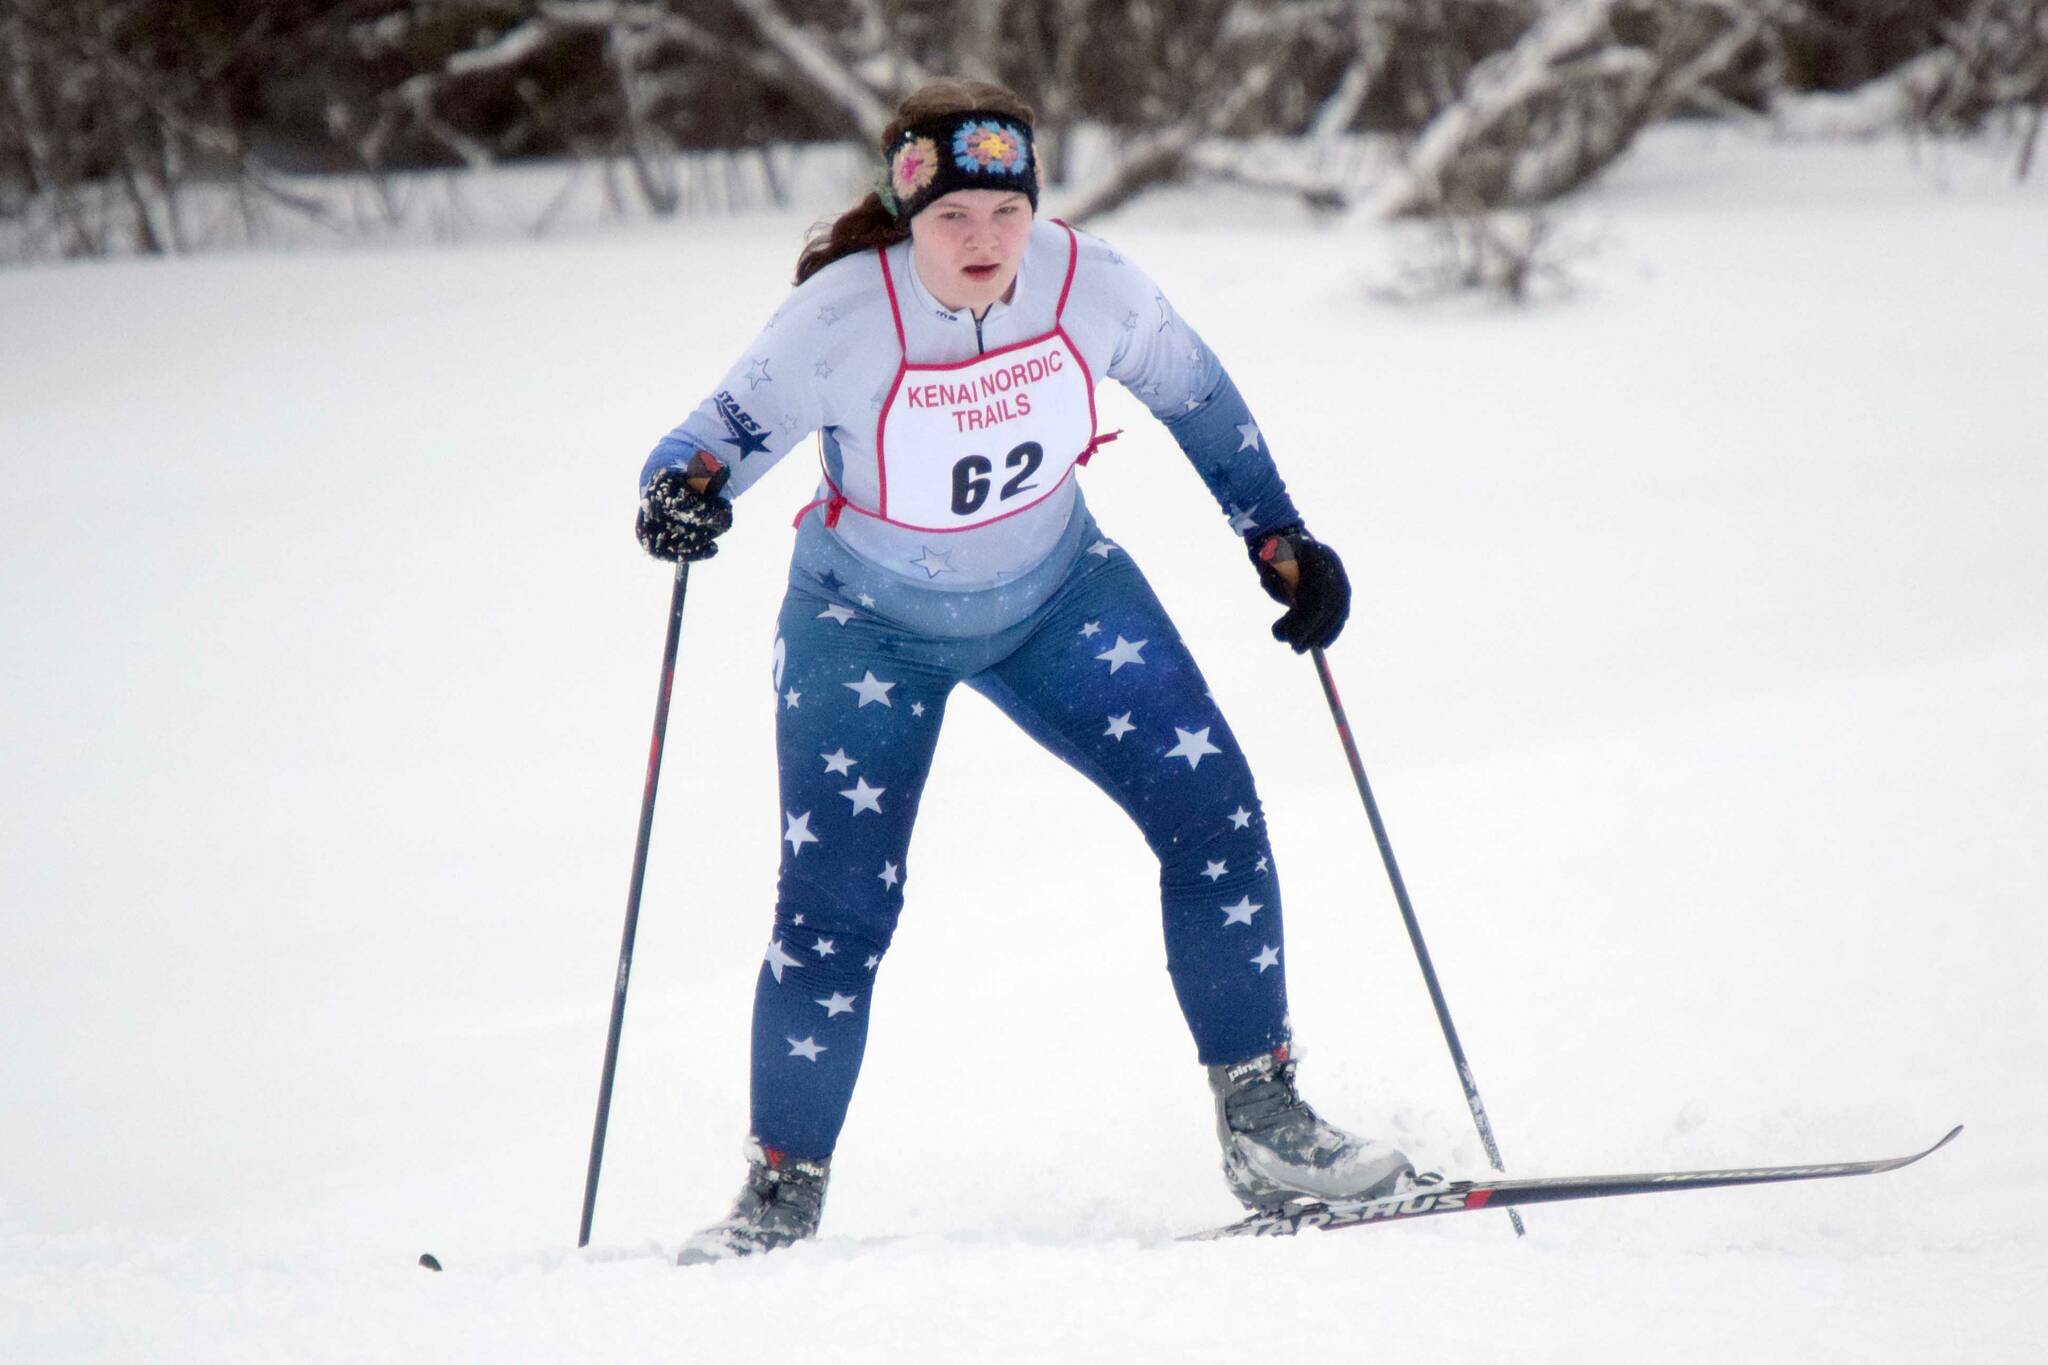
point(1436, 990)
point(611, 1044)
point(1280, 555)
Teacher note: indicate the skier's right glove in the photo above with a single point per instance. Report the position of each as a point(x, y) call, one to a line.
point(682, 512)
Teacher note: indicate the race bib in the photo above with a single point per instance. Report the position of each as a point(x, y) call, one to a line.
point(963, 445)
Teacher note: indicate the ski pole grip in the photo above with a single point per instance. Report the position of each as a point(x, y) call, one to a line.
point(1278, 555)
point(706, 474)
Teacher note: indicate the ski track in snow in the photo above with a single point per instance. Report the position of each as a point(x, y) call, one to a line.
point(1699, 662)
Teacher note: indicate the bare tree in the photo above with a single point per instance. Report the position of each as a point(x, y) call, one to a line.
point(1547, 114)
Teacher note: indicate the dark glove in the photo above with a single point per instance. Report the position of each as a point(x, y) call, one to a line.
point(678, 521)
point(1305, 576)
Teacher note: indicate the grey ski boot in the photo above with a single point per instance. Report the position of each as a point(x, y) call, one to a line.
point(780, 1204)
point(1277, 1151)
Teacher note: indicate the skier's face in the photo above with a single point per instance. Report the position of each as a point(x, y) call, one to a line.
point(967, 244)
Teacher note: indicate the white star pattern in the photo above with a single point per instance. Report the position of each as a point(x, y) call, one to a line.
point(824, 947)
point(838, 613)
point(1101, 547)
point(799, 833)
point(1240, 818)
point(778, 959)
point(791, 698)
point(758, 375)
point(1248, 434)
point(822, 370)
point(1242, 912)
point(1216, 871)
point(874, 961)
point(1119, 726)
point(806, 1048)
point(1091, 630)
point(890, 874)
point(1260, 865)
point(866, 601)
point(871, 689)
point(933, 563)
point(917, 708)
point(1194, 746)
point(864, 797)
point(838, 762)
point(837, 1005)
point(1269, 958)
point(1241, 521)
point(1123, 652)
point(796, 919)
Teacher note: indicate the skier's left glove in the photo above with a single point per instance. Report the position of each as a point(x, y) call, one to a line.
point(682, 512)
point(1306, 577)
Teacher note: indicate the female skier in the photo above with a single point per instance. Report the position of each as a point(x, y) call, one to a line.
point(945, 343)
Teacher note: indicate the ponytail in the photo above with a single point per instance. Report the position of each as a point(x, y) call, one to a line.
point(864, 226)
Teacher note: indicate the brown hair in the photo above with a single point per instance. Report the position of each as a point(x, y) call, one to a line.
point(868, 224)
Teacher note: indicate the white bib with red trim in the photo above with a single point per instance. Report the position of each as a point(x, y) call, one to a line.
point(963, 445)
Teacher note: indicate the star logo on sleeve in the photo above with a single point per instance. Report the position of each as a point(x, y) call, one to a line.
point(1194, 746)
point(1216, 871)
point(838, 762)
point(791, 698)
point(1091, 629)
point(866, 601)
point(1261, 864)
point(824, 947)
point(1123, 652)
point(840, 615)
point(1248, 436)
point(777, 959)
point(837, 1005)
point(1241, 913)
point(1269, 958)
point(1119, 726)
point(806, 1048)
point(1102, 548)
point(890, 874)
point(917, 708)
point(1240, 818)
point(871, 689)
point(757, 373)
point(799, 832)
point(864, 797)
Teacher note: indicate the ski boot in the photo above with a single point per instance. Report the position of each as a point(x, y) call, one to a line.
point(1277, 1151)
point(780, 1204)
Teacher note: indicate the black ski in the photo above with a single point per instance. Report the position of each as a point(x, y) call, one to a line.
point(1463, 1196)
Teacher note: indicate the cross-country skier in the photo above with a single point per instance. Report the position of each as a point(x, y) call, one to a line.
point(945, 343)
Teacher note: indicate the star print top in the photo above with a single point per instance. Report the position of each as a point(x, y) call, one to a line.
point(827, 359)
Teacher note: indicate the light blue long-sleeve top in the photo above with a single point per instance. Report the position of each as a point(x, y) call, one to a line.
point(826, 362)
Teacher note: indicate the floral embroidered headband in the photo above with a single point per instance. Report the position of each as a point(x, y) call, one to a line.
point(976, 150)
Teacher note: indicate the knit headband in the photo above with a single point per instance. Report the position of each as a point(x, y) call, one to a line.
point(976, 150)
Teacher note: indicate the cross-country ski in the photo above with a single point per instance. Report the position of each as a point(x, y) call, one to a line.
point(1467, 1196)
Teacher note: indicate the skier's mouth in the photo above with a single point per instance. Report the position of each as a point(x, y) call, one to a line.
point(982, 272)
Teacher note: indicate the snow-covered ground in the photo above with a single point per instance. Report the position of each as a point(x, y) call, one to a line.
point(1700, 662)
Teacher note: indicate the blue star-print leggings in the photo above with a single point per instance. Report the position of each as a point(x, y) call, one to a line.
point(1098, 676)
